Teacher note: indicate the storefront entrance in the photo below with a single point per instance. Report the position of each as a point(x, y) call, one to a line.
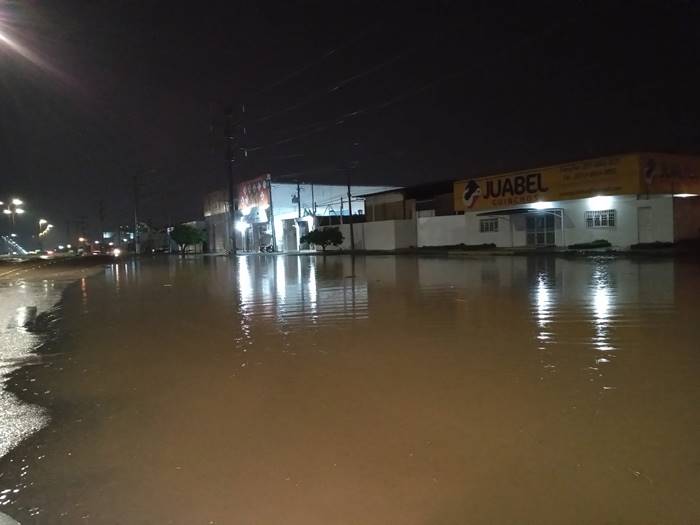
point(540, 229)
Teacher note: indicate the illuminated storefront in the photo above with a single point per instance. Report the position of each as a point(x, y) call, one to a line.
point(625, 200)
point(275, 215)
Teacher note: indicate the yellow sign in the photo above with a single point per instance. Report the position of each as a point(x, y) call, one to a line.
point(575, 180)
point(673, 174)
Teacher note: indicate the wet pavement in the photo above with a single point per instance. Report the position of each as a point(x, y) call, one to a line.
point(413, 390)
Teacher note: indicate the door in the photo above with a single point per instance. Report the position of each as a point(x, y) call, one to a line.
point(290, 235)
point(644, 224)
point(539, 229)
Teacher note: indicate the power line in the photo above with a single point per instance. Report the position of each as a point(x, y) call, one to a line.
point(323, 125)
point(318, 60)
point(336, 86)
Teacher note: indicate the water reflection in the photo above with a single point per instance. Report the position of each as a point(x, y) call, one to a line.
point(602, 309)
point(289, 289)
point(286, 381)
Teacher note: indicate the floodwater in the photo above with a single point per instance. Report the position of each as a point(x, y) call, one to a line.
point(311, 390)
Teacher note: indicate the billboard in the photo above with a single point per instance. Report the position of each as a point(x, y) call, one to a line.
point(253, 193)
point(618, 175)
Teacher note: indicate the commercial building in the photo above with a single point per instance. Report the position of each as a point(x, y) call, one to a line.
point(623, 199)
point(275, 215)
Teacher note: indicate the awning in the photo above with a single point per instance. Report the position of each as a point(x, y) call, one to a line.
point(519, 211)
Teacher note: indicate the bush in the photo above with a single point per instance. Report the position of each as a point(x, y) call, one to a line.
point(323, 237)
point(599, 243)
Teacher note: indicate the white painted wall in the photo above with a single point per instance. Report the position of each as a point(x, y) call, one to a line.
point(624, 234)
point(405, 235)
point(380, 235)
point(456, 229)
point(447, 230)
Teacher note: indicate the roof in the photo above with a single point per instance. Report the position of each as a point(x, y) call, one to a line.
point(420, 191)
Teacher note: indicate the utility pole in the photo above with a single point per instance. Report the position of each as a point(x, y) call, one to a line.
point(352, 231)
point(137, 244)
point(313, 204)
point(228, 136)
point(272, 212)
point(101, 216)
point(351, 168)
point(298, 199)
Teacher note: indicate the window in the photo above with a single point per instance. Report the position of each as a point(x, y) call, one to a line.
point(488, 225)
point(600, 219)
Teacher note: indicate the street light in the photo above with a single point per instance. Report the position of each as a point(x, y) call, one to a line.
point(13, 208)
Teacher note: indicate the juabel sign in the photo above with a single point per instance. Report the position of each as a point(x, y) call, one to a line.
point(603, 176)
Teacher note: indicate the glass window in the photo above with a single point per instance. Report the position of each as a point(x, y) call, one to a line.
point(488, 225)
point(600, 219)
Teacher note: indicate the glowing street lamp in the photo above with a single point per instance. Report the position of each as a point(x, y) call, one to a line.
point(13, 208)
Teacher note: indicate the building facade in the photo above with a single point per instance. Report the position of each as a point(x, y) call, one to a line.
point(629, 199)
point(625, 200)
point(273, 216)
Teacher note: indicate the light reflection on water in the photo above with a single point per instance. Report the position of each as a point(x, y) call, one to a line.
point(266, 385)
point(20, 304)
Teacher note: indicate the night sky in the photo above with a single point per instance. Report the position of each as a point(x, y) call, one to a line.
point(428, 91)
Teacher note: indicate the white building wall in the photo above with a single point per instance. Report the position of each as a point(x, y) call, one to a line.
point(380, 235)
point(457, 229)
point(405, 234)
point(447, 230)
point(624, 234)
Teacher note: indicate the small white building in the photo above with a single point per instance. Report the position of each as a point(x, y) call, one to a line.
point(293, 209)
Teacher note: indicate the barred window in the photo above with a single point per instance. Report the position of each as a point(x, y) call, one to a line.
point(488, 225)
point(600, 219)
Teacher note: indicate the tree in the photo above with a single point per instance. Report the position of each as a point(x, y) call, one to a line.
point(185, 235)
point(323, 237)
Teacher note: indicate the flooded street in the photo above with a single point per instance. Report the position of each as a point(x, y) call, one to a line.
point(311, 390)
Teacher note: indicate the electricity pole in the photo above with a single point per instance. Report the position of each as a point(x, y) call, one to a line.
point(137, 244)
point(101, 215)
point(228, 136)
point(352, 230)
point(298, 199)
point(351, 168)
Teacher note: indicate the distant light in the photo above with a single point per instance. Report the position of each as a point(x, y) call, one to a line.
point(111, 244)
point(81, 239)
point(61, 247)
point(42, 222)
point(542, 205)
point(19, 211)
point(600, 202)
point(17, 202)
point(685, 195)
point(116, 252)
point(242, 226)
point(69, 246)
point(13, 235)
point(97, 242)
point(50, 252)
point(7, 212)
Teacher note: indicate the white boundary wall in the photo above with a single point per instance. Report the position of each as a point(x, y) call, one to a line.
point(452, 230)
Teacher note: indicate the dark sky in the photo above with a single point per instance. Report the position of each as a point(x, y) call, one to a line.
point(442, 90)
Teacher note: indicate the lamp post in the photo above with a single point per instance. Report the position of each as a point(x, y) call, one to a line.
point(14, 207)
point(44, 229)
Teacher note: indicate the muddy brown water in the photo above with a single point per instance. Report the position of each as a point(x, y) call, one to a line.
point(304, 390)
